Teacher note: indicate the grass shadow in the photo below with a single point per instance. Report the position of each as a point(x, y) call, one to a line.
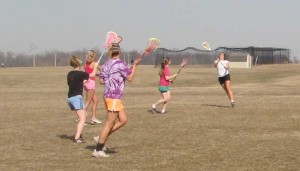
point(157, 112)
point(65, 137)
point(150, 111)
point(214, 105)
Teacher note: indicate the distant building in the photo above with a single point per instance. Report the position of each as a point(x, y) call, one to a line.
point(261, 55)
point(249, 56)
point(240, 60)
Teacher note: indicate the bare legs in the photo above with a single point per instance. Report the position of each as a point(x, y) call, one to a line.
point(81, 115)
point(94, 107)
point(91, 97)
point(114, 121)
point(227, 87)
point(166, 97)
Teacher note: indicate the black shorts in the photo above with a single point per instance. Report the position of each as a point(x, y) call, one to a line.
point(223, 79)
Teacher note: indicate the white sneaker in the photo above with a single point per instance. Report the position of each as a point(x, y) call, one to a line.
point(232, 104)
point(96, 121)
point(99, 154)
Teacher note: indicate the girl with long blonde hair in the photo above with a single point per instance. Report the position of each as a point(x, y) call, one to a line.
point(90, 86)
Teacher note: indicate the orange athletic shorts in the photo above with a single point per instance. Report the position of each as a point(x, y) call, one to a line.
point(114, 105)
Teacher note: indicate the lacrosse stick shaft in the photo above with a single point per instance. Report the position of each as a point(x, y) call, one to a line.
point(143, 54)
point(212, 54)
point(101, 55)
point(179, 70)
point(178, 73)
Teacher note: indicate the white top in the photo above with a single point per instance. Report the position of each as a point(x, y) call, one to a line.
point(222, 71)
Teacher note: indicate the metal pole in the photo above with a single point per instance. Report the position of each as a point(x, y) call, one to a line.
point(55, 60)
point(256, 60)
point(34, 60)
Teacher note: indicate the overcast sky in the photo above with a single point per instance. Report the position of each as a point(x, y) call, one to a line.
point(76, 24)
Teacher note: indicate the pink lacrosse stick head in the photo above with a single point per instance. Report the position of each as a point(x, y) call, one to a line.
point(118, 39)
point(153, 43)
point(184, 62)
point(110, 38)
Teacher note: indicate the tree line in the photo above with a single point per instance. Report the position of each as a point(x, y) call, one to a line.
point(47, 59)
point(61, 58)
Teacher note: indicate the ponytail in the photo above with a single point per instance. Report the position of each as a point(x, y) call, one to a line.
point(114, 50)
point(165, 62)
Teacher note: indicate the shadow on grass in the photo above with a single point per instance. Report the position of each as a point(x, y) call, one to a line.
point(157, 112)
point(108, 150)
point(214, 105)
point(66, 137)
point(150, 111)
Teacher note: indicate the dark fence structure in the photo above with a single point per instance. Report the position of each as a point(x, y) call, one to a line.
point(260, 55)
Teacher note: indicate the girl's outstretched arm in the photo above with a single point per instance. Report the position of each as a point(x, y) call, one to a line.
point(133, 69)
point(93, 74)
point(171, 77)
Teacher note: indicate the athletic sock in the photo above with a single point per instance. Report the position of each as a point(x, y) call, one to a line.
point(153, 106)
point(163, 111)
point(99, 147)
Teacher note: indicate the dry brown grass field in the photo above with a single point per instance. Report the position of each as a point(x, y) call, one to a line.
point(199, 132)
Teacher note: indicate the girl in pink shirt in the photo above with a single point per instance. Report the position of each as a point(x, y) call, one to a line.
point(163, 87)
point(89, 86)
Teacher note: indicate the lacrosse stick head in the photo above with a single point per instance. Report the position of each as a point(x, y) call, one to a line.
point(206, 46)
point(184, 62)
point(153, 43)
point(110, 38)
point(118, 39)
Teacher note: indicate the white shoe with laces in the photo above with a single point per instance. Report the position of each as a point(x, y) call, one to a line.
point(96, 121)
point(99, 154)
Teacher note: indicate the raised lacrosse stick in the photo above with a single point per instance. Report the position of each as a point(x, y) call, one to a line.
point(183, 64)
point(110, 38)
point(118, 39)
point(207, 47)
point(152, 44)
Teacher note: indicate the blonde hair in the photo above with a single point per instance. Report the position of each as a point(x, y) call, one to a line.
point(75, 61)
point(90, 56)
point(114, 50)
point(165, 62)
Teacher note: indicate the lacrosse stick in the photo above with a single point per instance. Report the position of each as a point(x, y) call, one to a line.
point(118, 39)
point(183, 64)
point(152, 44)
point(110, 38)
point(207, 47)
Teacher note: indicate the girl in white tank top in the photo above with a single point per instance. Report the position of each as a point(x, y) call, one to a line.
point(222, 66)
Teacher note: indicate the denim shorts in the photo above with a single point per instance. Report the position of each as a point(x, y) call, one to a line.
point(75, 102)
